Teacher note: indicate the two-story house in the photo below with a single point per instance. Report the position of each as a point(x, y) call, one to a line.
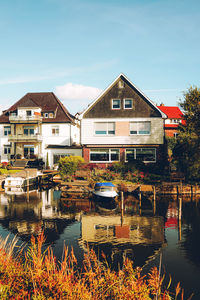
point(174, 118)
point(38, 124)
point(122, 124)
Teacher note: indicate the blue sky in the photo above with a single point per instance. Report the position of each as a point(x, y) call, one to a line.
point(77, 48)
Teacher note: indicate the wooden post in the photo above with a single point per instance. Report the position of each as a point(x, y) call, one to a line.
point(140, 200)
point(179, 218)
point(27, 181)
point(122, 207)
point(154, 200)
point(181, 187)
point(179, 229)
point(177, 190)
point(180, 208)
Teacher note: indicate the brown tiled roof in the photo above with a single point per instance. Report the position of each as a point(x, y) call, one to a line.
point(48, 102)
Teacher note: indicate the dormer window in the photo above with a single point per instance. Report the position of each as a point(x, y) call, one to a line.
point(51, 115)
point(28, 113)
point(116, 103)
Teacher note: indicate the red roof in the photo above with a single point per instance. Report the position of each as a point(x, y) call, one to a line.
point(172, 112)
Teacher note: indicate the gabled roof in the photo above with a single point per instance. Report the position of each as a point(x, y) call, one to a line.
point(172, 112)
point(122, 76)
point(48, 102)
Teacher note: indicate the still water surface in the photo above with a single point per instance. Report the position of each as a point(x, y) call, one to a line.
point(141, 235)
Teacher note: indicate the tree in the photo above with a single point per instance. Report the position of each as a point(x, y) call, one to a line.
point(191, 107)
point(187, 149)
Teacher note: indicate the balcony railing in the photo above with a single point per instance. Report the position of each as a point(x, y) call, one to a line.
point(25, 137)
point(13, 118)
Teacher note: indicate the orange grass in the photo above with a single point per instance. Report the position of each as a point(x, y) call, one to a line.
point(40, 277)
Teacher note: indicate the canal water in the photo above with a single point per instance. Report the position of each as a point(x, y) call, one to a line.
point(143, 234)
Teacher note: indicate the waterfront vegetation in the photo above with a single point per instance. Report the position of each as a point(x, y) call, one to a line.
point(74, 167)
point(185, 150)
point(37, 275)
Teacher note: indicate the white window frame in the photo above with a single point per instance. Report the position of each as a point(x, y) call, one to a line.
point(7, 130)
point(29, 128)
point(27, 113)
point(46, 115)
point(135, 154)
point(116, 108)
point(6, 150)
point(138, 132)
point(129, 99)
point(107, 151)
point(61, 155)
point(57, 130)
point(106, 131)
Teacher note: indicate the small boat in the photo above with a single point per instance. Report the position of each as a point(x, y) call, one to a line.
point(105, 190)
point(20, 182)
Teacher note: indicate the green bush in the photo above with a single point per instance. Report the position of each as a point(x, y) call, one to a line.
point(68, 165)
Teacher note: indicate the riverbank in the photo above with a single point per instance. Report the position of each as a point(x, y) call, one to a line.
point(161, 188)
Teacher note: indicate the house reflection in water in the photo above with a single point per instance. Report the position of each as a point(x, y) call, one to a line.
point(41, 211)
point(137, 233)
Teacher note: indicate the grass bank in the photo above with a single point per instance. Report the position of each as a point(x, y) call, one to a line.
point(40, 277)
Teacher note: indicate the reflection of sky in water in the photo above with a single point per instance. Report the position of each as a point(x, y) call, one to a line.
point(141, 238)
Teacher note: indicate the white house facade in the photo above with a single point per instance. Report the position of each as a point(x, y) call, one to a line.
point(38, 125)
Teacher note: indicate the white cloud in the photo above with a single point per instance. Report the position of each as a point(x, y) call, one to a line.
point(70, 91)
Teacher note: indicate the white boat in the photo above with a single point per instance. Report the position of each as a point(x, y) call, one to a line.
point(12, 182)
point(105, 190)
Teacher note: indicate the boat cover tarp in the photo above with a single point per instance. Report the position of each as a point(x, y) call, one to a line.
point(100, 184)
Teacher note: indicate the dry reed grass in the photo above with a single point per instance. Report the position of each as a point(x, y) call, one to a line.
point(39, 276)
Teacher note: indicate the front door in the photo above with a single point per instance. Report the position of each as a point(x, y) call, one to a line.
point(29, 151)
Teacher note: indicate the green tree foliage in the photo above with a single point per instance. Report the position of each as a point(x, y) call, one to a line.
point(69, 164)
point(191, 107)
point(186, 152)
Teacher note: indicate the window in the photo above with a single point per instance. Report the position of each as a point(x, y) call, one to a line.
point(174, 121)
point(128, 103)
point(29, 113)
point(7, 130)
point(7, 149)
point(57, 157)
point(55, 130)
point(140, 127)
point(116, 103)
point(45, 115)
point(104, 128)
point(104, 155)
point(142, 154)
point(28, 130)
point(51, 115)
point(175, 134)
point(29, 151)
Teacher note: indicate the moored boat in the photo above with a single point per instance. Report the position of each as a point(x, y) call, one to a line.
point(105, 190)
point(20, 181)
